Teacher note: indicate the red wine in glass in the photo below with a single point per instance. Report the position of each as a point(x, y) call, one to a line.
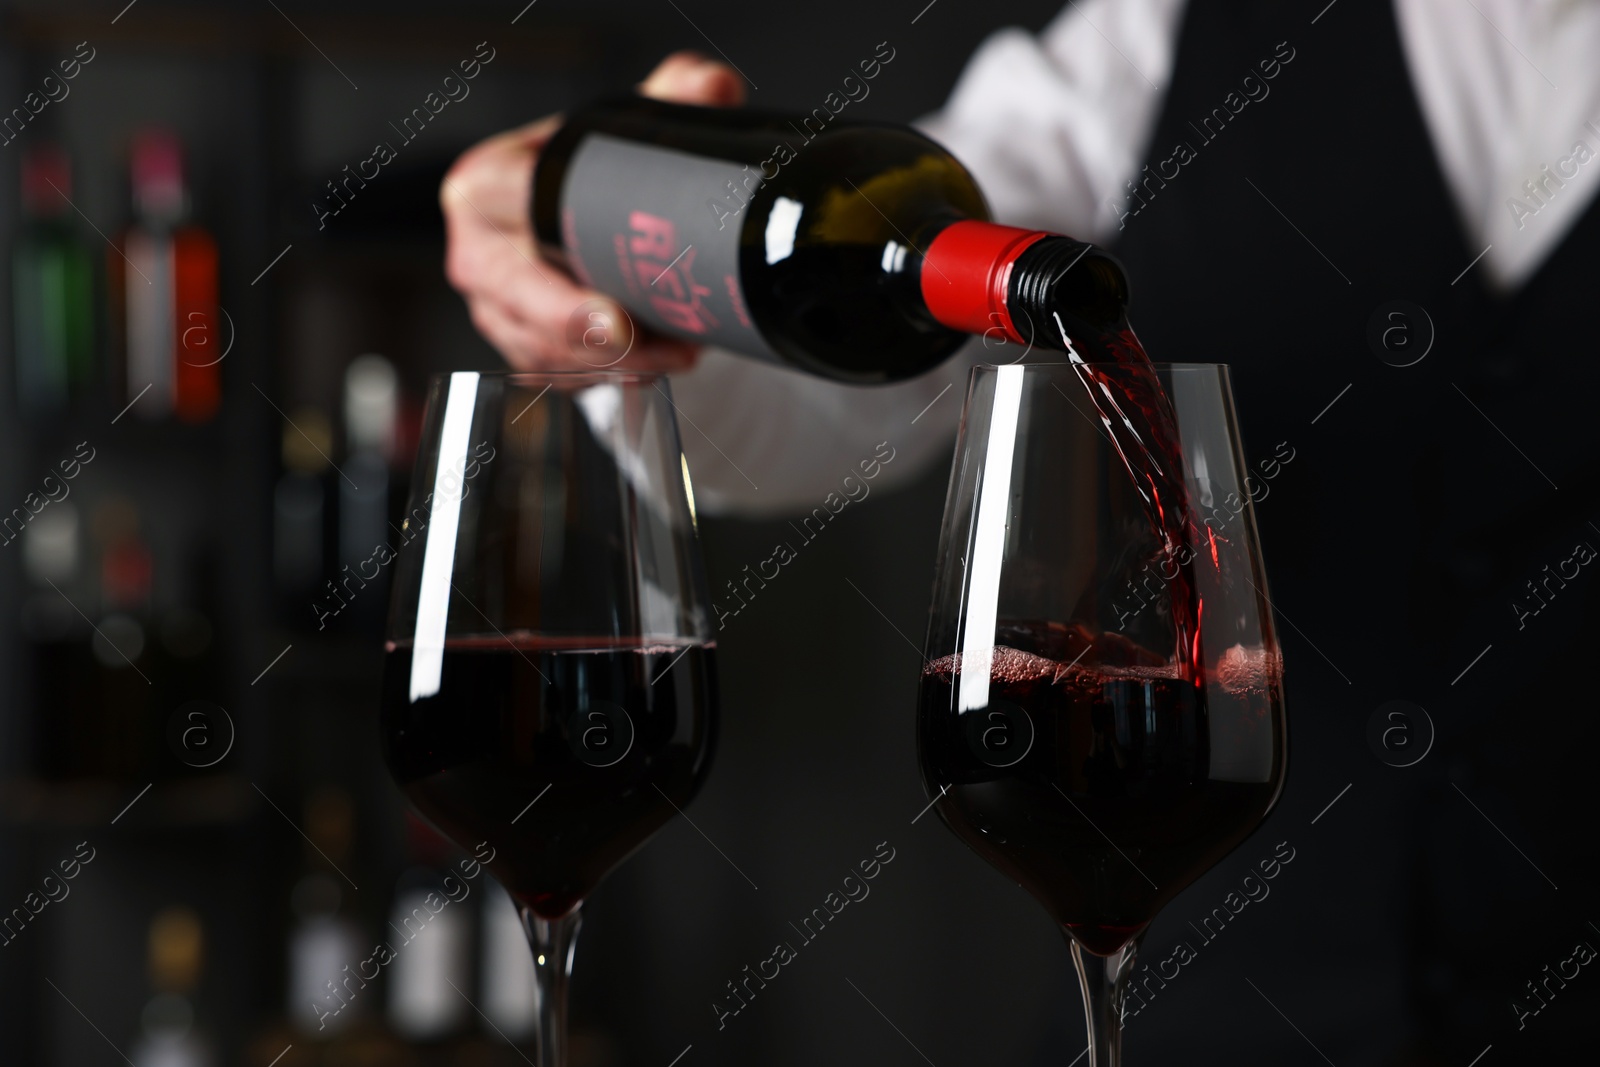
point(558, 751)
point(1100, 715)
point(549, 694)
point(1095, 787)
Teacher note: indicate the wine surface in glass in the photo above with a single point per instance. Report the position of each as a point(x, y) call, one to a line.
point(1097, 776)
point(561, 753)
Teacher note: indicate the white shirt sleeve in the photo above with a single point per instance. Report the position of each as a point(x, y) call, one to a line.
point(1051, 126)
point(1510, 92)
point(1054, 126)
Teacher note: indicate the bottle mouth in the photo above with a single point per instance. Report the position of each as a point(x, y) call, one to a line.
point(1057, 276)
point(1012, 283)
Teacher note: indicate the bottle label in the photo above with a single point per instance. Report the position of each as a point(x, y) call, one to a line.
point(636, 225)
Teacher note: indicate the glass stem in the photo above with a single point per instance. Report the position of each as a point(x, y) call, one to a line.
point(1104, 980)
point(552, 941)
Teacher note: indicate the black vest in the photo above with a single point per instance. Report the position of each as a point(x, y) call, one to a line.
point(1401, 540)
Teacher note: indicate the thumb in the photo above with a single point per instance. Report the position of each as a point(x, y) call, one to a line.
point(690, 78)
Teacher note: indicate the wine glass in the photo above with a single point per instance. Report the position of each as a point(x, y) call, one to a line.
point(549, 697)
point(1101, 714)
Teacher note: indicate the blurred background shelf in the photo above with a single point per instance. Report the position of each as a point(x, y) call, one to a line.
point(210, 802)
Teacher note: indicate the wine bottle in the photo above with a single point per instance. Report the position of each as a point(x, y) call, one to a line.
point(167, 1032)
point(53, 288)
point(371, 406)
point(163, 286)
point(431, 937)
point(301, 521)
point(860, 252)
point(330, 1015)
point(509, 993)
point(326, 988)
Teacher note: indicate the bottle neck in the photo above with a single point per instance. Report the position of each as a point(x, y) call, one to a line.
point(1027, 287)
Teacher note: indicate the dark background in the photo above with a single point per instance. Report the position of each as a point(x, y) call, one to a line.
point(943, 963)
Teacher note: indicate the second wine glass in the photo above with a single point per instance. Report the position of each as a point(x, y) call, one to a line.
point(549, 698)
point(1101, 713)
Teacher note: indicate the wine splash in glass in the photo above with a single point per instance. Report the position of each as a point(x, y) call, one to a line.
point(1101, 713)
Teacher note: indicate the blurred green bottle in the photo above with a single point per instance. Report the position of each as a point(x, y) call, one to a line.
point(54, 288)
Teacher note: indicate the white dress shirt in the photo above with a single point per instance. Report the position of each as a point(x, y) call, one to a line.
point(1053, 125)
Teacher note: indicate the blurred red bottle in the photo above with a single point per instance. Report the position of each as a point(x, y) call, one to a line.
point(163, 288)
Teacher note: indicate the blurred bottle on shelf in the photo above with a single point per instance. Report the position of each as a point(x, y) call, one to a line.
point(431, 936)
point(85, 626)
point(53, 288)
point(129, 739)
point(115, 644)
point(325, 945)
point(333, 1005)
point(509, 997)
point(371, 407)
point(50, 547)
point(162, 282)
point(127, 568)
point(300, 516)
point(371, 411)
point(430, 933)
point(65, 705)
point(168, 1034)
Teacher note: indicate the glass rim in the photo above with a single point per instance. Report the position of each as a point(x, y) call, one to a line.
point(1069, 365)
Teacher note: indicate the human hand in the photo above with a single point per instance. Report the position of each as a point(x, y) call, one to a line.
point(526, 306)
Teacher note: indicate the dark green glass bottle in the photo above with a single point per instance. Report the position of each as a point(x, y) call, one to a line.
point(860, 252)
point(53, 287)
